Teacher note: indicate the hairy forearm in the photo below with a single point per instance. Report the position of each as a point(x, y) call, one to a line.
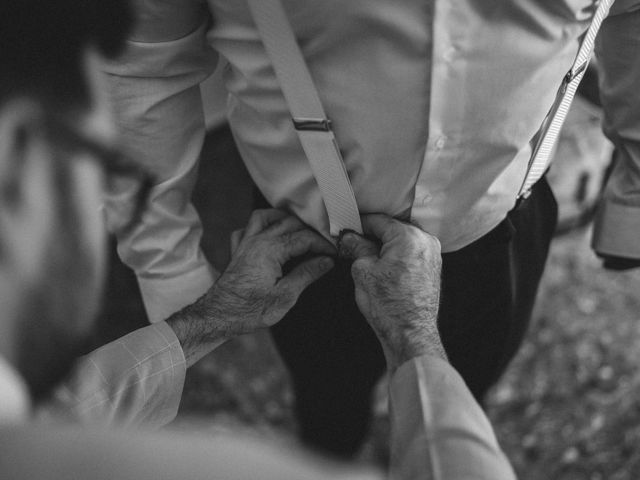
point(200, 328)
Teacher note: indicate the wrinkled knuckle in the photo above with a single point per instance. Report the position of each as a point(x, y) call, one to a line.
point(290, 241)
point(303, 238)
point(259, 241)
point(259, 248)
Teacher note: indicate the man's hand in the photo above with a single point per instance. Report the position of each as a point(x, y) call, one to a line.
point(397, 286)
point(252, 293)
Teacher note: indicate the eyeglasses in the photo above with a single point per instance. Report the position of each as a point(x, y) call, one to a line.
point(119, 168)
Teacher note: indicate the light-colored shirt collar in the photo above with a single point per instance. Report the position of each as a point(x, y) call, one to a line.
point(14, 397)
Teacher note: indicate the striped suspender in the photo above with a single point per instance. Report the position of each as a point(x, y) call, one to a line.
point(311, 123)
point(548, 132)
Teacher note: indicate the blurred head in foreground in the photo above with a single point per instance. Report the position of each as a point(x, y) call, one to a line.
point(56, 150)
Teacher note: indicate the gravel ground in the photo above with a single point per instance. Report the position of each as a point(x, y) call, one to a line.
point(569, 407)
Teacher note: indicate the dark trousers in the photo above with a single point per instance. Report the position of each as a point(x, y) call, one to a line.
point(488, 291)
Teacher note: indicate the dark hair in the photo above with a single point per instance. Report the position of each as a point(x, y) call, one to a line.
point(42, 43)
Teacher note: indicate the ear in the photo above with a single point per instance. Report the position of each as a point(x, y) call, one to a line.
point(25, 185)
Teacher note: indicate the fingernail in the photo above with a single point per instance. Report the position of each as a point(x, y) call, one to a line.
point(347, 235)
point(345, 245)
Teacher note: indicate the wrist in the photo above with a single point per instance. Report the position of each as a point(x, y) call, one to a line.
point(411, 344)
point(202, 322)
point(399, 356)
point(199, 328)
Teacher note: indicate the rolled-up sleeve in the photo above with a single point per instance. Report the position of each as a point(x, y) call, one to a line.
point(438, 431)
point(134, 381)
point(155, 96)
point(617, 224)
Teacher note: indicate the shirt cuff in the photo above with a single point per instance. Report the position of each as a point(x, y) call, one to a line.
point(161, 370)
point(616, 230)
point(163, 296)
point(136, 380)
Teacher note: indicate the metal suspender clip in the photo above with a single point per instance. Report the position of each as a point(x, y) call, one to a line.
point(571, 75)
point(566, 81)
point(312, 124)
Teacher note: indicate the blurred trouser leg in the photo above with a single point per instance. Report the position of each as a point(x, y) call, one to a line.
point(488, 292)
point(489, 289)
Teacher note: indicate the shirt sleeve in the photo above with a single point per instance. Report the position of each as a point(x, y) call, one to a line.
point(134, 381)
point(63, 453)
point(618, 49)
point(438, 431)
point(154, 92)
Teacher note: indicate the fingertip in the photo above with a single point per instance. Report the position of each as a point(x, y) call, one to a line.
point(361, 267)
point(346, 243)
point(326, 263)
point(323, 246)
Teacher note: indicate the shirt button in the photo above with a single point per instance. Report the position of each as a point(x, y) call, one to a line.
point(440, 142)
point(426, 198)
point(449, 54)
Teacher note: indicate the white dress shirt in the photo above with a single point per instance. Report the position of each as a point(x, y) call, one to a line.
point(433, 104)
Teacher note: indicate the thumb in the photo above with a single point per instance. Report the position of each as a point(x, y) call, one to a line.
point(353, 246)
point(363, 271)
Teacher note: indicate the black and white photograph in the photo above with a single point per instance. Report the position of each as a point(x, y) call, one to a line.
point(320, 239)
